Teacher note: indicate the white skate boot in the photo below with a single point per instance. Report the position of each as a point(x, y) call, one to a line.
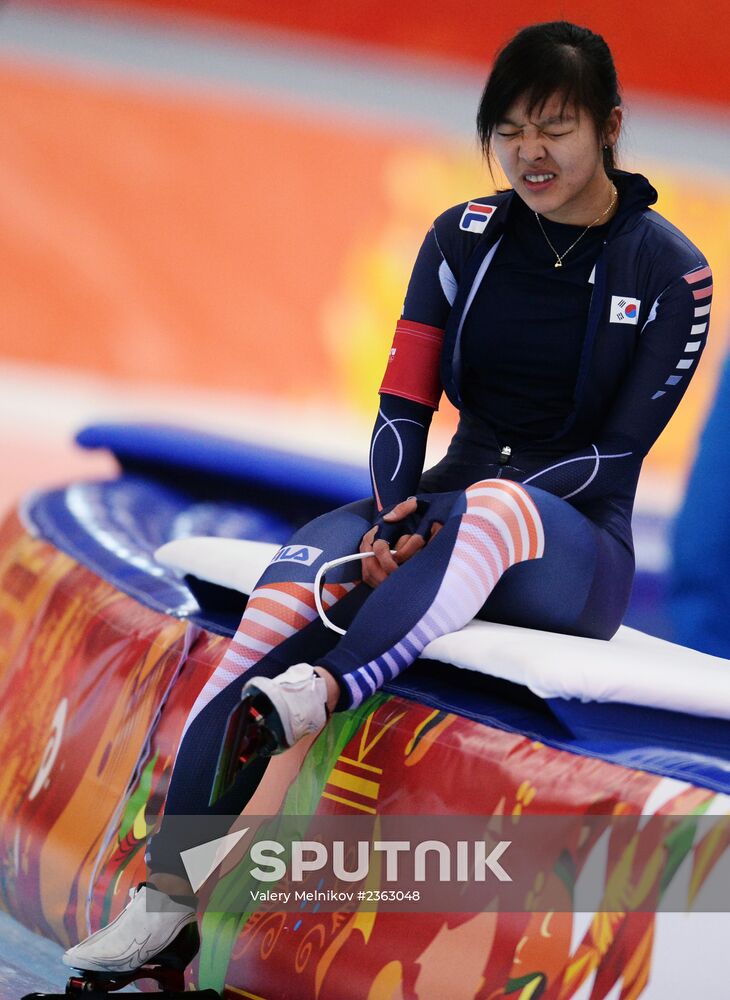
point(273, 714)
point(299, 699)
point(154, 936)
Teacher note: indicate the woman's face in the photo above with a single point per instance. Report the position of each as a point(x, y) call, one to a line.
point(553, 159)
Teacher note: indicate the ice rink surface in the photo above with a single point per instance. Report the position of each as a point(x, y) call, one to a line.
point(30, 964)
point(27, 963)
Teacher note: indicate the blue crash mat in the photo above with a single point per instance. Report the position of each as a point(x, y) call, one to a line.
point(115, 528)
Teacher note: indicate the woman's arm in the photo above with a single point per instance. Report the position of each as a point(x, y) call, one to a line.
point(411, 386)
point(669, 348)
point(397, 451)
point(409, 394)
point(398, 448)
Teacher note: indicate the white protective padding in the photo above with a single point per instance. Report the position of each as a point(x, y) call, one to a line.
point(230, 562)
point(633, 668)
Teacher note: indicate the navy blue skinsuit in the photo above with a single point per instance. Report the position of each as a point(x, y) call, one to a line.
point(644, 330)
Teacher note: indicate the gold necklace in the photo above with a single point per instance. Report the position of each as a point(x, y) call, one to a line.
point(559, 256)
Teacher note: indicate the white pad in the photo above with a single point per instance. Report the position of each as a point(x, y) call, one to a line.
point(230, 562)
point(634, 668)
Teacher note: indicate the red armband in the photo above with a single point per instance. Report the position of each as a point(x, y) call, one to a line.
point(413, 365)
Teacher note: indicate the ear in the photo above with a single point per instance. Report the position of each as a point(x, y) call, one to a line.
point(612, 128)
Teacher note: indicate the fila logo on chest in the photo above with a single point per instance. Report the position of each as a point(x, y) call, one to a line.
point(624, 309)
point(475, 217)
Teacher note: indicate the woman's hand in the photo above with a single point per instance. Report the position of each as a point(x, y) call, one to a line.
point(375, 570)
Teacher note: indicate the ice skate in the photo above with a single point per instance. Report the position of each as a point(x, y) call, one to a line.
point(154, 937)
point(274, 713)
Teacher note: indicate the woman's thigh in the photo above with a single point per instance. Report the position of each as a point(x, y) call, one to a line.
point(580, 586)
point(331, 535)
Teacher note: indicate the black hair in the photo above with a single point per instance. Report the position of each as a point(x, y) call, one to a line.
point(545, 59)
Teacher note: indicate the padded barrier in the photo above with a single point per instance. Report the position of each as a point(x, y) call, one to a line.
point(198, 454)
point(115, 527)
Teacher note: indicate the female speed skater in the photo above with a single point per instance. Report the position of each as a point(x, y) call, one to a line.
point(564, 318)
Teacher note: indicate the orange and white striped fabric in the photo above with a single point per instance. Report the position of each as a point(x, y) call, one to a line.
point(275, 611)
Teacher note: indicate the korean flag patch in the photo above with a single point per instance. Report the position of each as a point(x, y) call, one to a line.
point(475, 217)
point(624, 309)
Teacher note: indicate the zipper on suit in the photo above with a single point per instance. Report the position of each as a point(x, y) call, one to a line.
point(505, 453)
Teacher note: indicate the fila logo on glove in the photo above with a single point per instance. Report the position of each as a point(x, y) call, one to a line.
point(624, 309)
point(475, 217)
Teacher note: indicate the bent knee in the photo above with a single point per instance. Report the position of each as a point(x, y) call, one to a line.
point(507, 507)
point(484, 483)
point(503, 481)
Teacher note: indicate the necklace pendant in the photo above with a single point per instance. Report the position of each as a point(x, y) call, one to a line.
point(558, 263)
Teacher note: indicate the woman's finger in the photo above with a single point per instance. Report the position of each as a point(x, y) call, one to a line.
point(410, 545)
point(383, 555)
point(401, 510)
point(371, 573)
point(379, 568)
point(366, 542)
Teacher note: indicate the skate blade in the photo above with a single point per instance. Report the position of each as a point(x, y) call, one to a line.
point(166, 970)
point(248, 735)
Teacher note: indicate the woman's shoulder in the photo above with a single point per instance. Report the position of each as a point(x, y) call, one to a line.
point(669, 240)
point(658, 254)
point(650, 234)
point(647, 240)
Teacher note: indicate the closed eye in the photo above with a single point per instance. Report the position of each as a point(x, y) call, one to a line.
point(550, 135)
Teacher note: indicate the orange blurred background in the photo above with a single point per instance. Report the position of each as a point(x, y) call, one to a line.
point(666, 47)
point(237, 255)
